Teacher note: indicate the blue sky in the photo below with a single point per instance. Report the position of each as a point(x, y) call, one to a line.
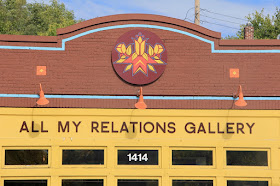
point(88, 9)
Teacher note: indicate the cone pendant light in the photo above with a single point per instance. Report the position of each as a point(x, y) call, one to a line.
point(141, 104)
point(42, 100)
point(240, 102)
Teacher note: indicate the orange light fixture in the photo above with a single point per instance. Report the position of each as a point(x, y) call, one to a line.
point(42, 100)
point(141, 104)
point(240, 102)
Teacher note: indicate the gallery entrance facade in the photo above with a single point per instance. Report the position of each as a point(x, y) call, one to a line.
point(122, 147)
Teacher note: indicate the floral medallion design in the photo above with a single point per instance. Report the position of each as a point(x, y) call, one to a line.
point(139, 57)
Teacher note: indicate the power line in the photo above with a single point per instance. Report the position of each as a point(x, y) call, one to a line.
point(186, 17)
point(223, 14)
point(220, 19)
point(202, 21)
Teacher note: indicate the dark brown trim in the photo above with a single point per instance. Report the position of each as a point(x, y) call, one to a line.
point(139, 17)
point(28, 38)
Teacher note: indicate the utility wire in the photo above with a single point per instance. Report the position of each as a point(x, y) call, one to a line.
point(186, 17)
point(222, 14)
point(203, 21)
point(220, 19)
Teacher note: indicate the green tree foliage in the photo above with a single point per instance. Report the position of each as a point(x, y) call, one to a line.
point(231, 37)
point(265, 26)
point(22, 18)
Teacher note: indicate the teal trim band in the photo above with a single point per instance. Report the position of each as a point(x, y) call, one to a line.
point(135, 97)
point(62, 48)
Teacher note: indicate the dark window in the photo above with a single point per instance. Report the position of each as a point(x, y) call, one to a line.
point(138, 182)
point(26, 157)
point(84, 157)
point(25, 183)
point(247, 158)
point(192, 183)
point(192, 157)
point(247, 183)
point(82, 182)
point(137, 157)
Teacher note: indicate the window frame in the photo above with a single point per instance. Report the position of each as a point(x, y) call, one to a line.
point(61, 148)
point(213, 166)
point(4, 166)
point(192, 178)
point(247, 179)
point(83, 177)
point(268, 150)
point(25, 178)
point(159, 178)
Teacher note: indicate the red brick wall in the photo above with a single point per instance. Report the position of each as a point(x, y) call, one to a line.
point(85, 66)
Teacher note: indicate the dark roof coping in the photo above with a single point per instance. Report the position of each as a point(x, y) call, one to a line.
point(139, 17)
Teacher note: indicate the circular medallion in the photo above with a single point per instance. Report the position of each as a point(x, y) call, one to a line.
point(139, 57)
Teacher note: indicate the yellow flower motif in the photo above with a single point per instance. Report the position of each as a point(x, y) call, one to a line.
point(128, 50)
point(140, 46)
point(140, 58)
point(158, 49)
point(121, 48)
point(151, 50)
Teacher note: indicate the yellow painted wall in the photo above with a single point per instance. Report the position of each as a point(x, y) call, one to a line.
point(264, 134)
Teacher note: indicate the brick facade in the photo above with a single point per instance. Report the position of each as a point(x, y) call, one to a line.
point(85, 67)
